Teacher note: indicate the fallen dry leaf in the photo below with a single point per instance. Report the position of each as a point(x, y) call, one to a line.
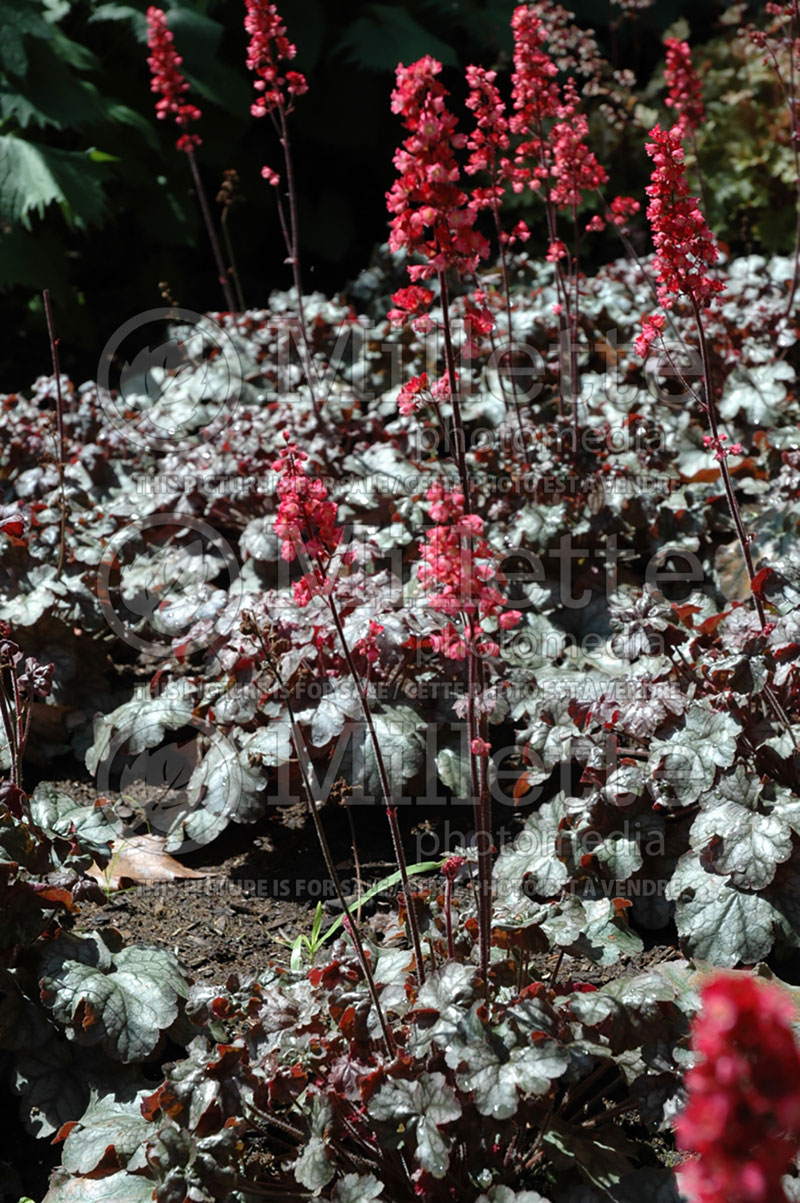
point(138, 859)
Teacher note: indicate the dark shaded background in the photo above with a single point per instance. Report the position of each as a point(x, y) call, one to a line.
point(344, 138)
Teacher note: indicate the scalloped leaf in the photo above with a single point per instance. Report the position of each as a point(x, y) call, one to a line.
point(120, 999)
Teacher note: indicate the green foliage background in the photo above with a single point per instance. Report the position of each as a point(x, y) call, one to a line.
point(96, 204)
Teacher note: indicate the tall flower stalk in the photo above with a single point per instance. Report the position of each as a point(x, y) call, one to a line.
point(249, 626)
point(306, 526)
point(487, 145)
point(685, 252)
point(277, 87)
point(575, 170)
point(168, 81)
point(434, 218)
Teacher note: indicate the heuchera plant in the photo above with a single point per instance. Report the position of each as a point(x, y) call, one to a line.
point(444, 1046)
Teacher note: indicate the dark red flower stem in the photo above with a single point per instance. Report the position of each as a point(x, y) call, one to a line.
point(733, 505)
point(303, 760)
point(222, 274)
point(480, 792)
point(386, 789)
point(291, 237)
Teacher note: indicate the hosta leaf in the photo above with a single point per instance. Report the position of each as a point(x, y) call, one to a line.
point(122, 1000)
point(428, 1103)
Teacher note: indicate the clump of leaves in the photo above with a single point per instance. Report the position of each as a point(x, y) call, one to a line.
point(514, 1098)
point(74, 1017)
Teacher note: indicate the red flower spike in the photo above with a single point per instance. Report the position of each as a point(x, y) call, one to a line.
point(535, 97)
point(165, 63)
point(685, 246)
point(575, 168)
point(305, 521)
point(457, 568)
point(268, 52)
point(431, 214)
point(685, 89)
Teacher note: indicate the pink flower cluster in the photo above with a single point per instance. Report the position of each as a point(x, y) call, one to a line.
point(432, 215)
point(268, 51)
point(410, 304)
point(457, 566)
point(165, 63)
point(419, 390)
point(489, 139)
point(623, 207)
point(652, 329)
point(742, 1117)
point(575, 168)
point(305, 521)
point(685, 246)
point(685, 89)
point(720, 452)
point(535, 97)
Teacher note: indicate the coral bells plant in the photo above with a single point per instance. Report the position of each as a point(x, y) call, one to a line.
point(535, 97)
point(575, 168)
point(167, 80)
point(742, 1118)
point(305, 523)
point(306, 519)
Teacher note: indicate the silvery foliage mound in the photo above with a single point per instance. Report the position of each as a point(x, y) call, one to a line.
point(639, 702)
